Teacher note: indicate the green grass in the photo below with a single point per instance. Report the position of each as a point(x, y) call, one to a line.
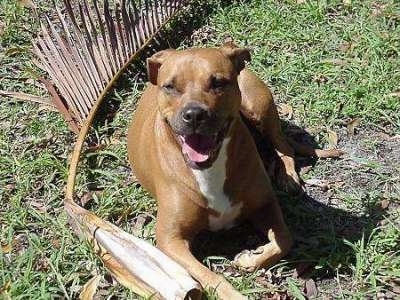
point(330, 62)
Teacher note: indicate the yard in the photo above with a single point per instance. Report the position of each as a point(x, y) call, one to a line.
point(334, 69)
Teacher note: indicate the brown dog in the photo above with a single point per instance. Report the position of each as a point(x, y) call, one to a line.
point(190, 149)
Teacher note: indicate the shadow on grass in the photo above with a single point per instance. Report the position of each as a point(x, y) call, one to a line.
point(319, 230)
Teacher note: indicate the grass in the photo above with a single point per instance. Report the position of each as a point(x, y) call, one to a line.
point(331, 62)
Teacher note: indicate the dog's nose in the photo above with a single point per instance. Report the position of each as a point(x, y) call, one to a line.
point(194, 115)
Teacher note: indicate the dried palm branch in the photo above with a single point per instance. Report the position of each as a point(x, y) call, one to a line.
point(84, 49)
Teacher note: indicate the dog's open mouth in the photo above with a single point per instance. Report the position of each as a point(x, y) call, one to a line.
point(199, 150)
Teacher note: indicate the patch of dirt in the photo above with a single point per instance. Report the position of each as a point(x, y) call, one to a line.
point(370, 165)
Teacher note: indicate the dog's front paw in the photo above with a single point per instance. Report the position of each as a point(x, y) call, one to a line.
point(224, 290)
point(249, 260)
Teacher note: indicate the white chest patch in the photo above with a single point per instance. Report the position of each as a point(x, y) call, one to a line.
point(211, 183)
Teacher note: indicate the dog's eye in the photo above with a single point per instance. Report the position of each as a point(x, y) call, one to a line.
point(218, 83)
point(169, 87)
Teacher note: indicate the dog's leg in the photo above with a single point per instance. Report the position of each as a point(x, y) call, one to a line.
point(178, 250)
point(266, 121)
point(259, 109)
point(270, 221)
point(288, 179)
point(173, 238)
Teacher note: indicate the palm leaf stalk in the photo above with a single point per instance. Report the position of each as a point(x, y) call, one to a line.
point(84, 50)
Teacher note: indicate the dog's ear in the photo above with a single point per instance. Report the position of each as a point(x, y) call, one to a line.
point(237, 55)
point(154, 63)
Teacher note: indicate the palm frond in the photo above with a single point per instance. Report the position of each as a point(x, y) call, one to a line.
point(87, 46)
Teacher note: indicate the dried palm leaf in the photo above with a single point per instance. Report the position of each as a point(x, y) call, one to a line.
point(27, 97)
point(85, 49)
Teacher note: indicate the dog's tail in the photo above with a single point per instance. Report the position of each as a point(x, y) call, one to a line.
point(307, 150)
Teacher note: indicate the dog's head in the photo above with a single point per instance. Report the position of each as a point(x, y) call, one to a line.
point(199, 96)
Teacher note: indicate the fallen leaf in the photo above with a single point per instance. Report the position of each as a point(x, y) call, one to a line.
point(27, 97)
point(56, 243)
point(395, 94)
point(324, 184)
point(15, 51)
point(378, 9)
point(86, 198)
point(396, 289)
point(305, 170)
point(4, 289)
point(2, 27)
point(337, 184)
point(278, 296)
point(6, 248)
point(352, 125)
point(40, 206)
point(346, 46)
point(312, 130)
point(320, 79)
point(380, 296)
point(310, 289)
point(301, 1)
point(90, 288)
point(286, 110)
point(42, 264)
point(385, 203)
point(334, 61)
point(346, 2)
point(332, 138)
point(10, 187)
point(27, 4)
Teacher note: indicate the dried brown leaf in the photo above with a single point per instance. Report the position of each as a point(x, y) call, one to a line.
point(396, 289)
point(86, 198)
point(352, 125)
point(378, 9)
point(4, 290)
point(305, 170)
point(6, 248)
point(27, 97)
point(42, 264)
point(320, 79)
point(310, 289)
point(323, 184)
point(90, 288)
point(27, 4)
point(346, 46)
point(385, 203)
point(332, 138)
point(10, 187)
point(40, 206)
point(2, 27)
point(140, 221)
point(334, 61)
point(347, 2)
point(395, 94)
point(56, 243)
point(286, 110)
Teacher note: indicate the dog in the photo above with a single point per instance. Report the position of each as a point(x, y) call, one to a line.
point(189, 147)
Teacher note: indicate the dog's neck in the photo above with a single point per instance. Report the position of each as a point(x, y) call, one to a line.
point(211, 180)
point(211, 183)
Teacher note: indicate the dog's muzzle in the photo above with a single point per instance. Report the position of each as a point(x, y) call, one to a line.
point(200, 134)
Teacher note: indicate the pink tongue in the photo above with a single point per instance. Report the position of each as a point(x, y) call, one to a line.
point(198, 147)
